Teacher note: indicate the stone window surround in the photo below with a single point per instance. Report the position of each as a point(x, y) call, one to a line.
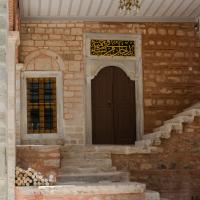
point(132, 66)
point(59, 96)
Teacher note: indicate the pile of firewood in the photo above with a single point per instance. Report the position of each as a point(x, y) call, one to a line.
point(30, 177)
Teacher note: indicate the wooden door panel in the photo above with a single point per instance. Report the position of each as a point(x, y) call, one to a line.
point(102, 110)
point(124, 108)
point(103, 130)
point(113, 107)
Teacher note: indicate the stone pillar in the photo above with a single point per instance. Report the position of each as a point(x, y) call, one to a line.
point(3, 99)
point(13, 42)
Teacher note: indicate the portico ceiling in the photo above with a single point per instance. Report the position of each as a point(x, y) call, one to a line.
point(107, 10)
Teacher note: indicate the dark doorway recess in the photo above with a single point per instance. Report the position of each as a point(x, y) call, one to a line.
point(113, 107)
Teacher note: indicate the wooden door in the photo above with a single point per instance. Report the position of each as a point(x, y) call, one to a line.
point(113, 108)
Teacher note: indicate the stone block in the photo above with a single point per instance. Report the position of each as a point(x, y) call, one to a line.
point(3, 22)
point(56, 43)
point(2, 8)
point(76, 31)
point(2, 37)
point(2, 161)
point(2, 54)
point(3, 188)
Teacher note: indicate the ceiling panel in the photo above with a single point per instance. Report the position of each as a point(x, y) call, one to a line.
point(191, 8)
point(182, 8)
point(93, 7)
point(107, 10)
point(44, 8)
point(75, 7)
point(64, 8)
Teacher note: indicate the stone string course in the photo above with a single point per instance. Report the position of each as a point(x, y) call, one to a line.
point(170, 63)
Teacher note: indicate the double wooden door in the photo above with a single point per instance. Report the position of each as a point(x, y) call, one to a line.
point(113, 107)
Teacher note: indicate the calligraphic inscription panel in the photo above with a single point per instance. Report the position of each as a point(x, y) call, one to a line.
point(112, 48)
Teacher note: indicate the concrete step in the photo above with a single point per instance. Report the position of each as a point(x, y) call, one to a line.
point(86, 162)
point(152, 195)
point(72, 169)
point(94, 177)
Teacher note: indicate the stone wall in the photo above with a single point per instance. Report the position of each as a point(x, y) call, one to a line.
point(170, 66)
point(175, 173)
point(45, 159)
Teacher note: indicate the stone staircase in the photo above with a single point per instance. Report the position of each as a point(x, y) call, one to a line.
point(93, 163)
point(88, 164)
point(174, 125)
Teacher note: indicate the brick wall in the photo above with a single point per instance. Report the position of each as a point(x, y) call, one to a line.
point(45, 159)
point(175, 172)
point(170, 64)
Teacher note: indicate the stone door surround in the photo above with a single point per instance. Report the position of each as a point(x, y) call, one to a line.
point(132, 66)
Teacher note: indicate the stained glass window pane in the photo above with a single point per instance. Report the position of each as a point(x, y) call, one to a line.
point(41, 105)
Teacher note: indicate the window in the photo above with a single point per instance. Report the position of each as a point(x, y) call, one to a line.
point(41, 105)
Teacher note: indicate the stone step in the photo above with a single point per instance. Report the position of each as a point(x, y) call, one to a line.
point(112, 149)
point(157, 134)
point(148, 142)
point(72, 169)
point(196, 106)
point(152, 195)
point(181, 119)
point(94, 177)
point(170, 126)
point(86, 162)
point(85, 155)
point(190, 112)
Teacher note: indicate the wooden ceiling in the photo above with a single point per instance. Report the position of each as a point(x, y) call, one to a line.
point(107, 10)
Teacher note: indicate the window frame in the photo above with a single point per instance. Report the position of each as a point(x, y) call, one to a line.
point(59, 105)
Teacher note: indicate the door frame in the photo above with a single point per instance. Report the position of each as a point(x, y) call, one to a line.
point(132, 66)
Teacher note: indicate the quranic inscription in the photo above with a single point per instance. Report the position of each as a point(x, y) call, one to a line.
point(112, 48)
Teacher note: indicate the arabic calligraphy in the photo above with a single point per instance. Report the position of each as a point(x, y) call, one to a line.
point(112, 48)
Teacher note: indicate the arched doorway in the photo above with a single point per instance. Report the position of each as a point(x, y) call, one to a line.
point(113, 107)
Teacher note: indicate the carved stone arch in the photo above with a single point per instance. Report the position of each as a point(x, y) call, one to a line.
point(98, 68)
point(44, 59)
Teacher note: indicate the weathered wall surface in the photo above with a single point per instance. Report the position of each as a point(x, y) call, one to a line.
point(170, 66)
point(175, 172)
point(45, 159)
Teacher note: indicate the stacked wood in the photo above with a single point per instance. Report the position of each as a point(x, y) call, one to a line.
point(30, 177)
